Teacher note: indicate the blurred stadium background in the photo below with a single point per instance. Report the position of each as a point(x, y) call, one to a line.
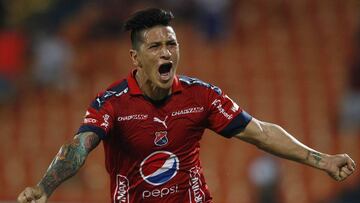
point(292, 62)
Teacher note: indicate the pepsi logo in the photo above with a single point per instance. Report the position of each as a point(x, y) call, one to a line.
point(159, 167)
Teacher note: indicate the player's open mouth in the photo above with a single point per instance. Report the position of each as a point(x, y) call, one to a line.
point(164, 71)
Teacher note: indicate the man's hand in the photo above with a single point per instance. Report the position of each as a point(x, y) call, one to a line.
point(339, 166)
point(32, 195)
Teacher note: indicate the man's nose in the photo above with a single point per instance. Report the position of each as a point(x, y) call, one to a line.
point(165, 53)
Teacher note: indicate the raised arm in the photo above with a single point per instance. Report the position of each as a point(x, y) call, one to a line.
point(66, 163)
point(275, 140)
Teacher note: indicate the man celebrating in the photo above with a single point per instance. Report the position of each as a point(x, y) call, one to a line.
point(151, 124)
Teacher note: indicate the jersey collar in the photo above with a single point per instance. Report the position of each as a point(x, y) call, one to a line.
point(135, 89)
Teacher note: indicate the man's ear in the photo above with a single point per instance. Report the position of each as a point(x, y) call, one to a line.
point(134, 58)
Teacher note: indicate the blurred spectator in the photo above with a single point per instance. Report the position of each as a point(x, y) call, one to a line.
point(2, 14)
point(264, 174)
point(350, 107)
point(350, 121)
point(212, 17)
point(184, 10)
point(348, 195)
point(53, 53)
point(52, 59)
point(12, 61)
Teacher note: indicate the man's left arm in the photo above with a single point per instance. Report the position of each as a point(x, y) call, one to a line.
point(275, 140)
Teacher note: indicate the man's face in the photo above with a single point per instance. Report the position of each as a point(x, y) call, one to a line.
point(157, 56)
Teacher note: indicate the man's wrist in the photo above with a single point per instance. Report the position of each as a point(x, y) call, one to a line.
point(43, 190)
point(323, 164)
point(317, 159)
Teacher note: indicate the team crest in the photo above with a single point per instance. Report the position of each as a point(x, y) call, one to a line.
point(161, 138)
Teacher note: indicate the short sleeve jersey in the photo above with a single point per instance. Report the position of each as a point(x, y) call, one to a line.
point(152, 148)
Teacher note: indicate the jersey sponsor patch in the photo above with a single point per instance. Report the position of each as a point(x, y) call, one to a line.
point(196, 193)
point(105, 123)
point(160, 192)
point(133, 117)
point(121, 194)
point(234, 107)
point(159, 167)
point(219, 106)
point(189, 110)
point(90, 120)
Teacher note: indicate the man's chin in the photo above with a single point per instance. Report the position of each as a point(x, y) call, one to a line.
point(165, 84)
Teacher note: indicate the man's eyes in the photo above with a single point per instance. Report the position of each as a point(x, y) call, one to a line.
point(172, 43)
point(153, 46)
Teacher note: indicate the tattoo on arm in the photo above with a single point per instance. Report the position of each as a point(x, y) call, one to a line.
point(315, 155)
point(68, 161)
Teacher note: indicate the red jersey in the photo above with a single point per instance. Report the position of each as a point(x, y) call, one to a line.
point(152, 148)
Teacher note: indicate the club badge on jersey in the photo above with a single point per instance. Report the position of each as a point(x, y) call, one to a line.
point(161, 138)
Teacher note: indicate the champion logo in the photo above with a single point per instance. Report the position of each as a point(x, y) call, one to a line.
point(156, 119)
point(161, 138)
point(159, 167)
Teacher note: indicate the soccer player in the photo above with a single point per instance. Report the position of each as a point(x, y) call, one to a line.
point(152, 121)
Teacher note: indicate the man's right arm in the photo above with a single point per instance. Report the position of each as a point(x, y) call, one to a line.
point(66, 163)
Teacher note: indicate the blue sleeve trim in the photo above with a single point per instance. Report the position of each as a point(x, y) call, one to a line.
point(117, 91)
point(237, 125)
point(195, 81)
point(99, 131)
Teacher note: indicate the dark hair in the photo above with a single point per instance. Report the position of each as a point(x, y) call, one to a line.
point(145, 19)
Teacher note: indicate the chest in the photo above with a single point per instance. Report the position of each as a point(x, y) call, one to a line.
point(146, 127)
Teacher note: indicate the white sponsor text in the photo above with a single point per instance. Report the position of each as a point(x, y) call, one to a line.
point(188, 111)
point(133, 117)
point(219, 106)
point(162, 192)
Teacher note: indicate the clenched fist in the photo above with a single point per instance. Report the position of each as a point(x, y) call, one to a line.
point(339, 166)
point(32, 195)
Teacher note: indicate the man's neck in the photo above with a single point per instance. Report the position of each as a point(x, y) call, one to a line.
point(149, 89)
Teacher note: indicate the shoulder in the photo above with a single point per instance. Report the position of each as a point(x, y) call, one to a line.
point(115, 90)
point(189, 82)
